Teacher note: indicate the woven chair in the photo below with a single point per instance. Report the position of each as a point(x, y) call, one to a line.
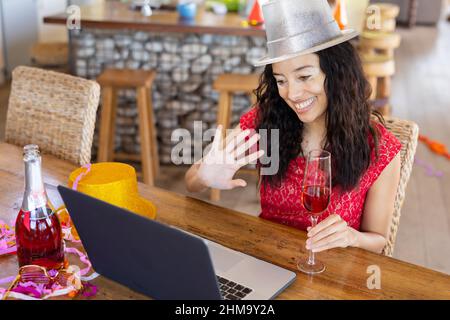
point(53, 110)
point(407, 132)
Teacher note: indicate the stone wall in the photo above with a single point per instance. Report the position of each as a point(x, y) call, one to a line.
point(186, 66)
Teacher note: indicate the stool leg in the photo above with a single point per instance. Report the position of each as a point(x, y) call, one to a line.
point(214, 195)
point(153, 134)
point(106, 126)
point(253, 98)
point(112, 132)
point(385, 92)
point(373, 84)
point(385, 87)
point(145, 135)
point(223, 118)
point(385, 110)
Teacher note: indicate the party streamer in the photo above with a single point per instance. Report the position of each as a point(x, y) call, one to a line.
point(7, 239)
point(435, 146)
point(429, 170)
point(37, 291)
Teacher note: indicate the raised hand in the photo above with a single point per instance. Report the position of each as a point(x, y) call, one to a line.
point(220, 164)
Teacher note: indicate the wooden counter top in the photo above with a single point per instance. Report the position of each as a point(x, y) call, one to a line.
point(346, 276)
point(117, 15)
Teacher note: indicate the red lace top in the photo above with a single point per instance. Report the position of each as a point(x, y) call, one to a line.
point(283, 204)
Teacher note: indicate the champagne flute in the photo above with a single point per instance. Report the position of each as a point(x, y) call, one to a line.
point(316, 191)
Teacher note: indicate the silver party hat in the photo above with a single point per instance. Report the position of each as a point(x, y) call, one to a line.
point(298, 27)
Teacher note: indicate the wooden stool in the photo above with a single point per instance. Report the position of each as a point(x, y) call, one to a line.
point(388, 13)
point(50, 55)
point(228, 84)
point(379, 69)
point(388, 10)
point(385, 26)
point(111, 80)
point(384, 43)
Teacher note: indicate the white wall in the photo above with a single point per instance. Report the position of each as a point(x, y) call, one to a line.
point(19, 30)
point(51, 33)
point(2, 60)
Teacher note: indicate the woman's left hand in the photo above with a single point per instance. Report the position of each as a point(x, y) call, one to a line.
point(333, 232)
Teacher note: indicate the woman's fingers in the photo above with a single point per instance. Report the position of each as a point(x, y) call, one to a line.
point(237, 183)
point(325, 241)
point(324, 224)
point(250, 158)
point(338, 226)
point(232, 134)
point(244, 147)
point(235, 140)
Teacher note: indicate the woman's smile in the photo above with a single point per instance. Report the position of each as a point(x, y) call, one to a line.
point(305, 105)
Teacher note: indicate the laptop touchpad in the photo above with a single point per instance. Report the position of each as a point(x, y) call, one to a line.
point(222, 258)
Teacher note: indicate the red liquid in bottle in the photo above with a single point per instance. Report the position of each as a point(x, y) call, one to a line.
point(316, 199)
point(38, 231)
point(39, 239)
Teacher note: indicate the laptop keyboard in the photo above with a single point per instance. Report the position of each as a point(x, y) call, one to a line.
point(231, 290)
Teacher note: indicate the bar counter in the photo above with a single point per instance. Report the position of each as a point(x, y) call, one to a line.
point(187, 56)
point(117, 15)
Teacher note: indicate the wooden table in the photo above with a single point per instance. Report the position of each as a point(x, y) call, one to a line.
point(345, 277)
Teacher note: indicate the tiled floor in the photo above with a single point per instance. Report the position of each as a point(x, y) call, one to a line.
point(421, 92)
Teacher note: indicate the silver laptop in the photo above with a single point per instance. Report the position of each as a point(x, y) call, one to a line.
point(165, 262)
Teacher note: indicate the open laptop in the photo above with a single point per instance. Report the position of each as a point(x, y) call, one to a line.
point(164, 262)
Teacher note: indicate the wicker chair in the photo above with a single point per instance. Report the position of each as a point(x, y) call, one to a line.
point(53, 110)
point(407, 132)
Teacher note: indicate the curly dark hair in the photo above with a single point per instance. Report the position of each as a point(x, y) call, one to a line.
point(348, 118)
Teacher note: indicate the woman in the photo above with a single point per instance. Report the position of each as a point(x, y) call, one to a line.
point(317, 97)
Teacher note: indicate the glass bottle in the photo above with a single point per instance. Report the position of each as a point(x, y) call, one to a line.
point(38, 231)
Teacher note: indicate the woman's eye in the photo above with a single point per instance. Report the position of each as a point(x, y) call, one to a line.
point(304, 78)
point(280, 82)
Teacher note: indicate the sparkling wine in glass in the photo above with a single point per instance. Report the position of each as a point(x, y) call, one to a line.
point(316, 191)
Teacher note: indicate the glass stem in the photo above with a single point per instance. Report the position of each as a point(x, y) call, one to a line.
point(311, 260)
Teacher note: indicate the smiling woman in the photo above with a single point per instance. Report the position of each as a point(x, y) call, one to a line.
point(328, 93)
point(313, 91)
point(320, 101)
